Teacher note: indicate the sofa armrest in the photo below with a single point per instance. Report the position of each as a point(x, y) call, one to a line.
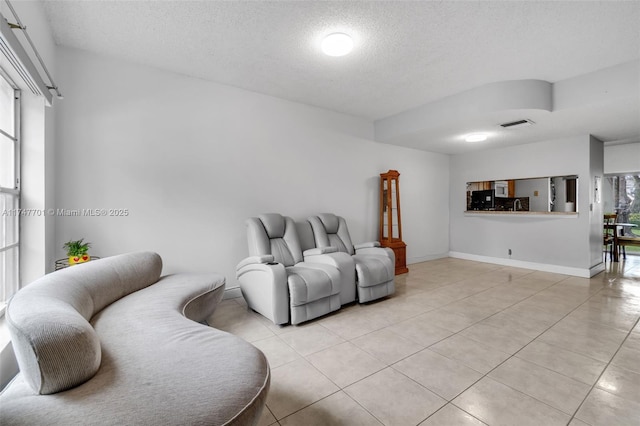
point(267, 258)
point(369, 244)
point(264, 287)
point(378, 251)
point(319, 251)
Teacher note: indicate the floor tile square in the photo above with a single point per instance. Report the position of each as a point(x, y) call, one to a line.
point(450, 415)
point(387, 346)
point(497, 404)
point(478, 356)
point(604, 408)
point(345, 363)
point(447, 320)
point(266, 419)
point(439, 374)
point(597, 342)
point(545, 385)
point(538, 314)
point(476, 311)
point(354, 323)
point(248, 327)
point(632, 342)
point(310, 338)
point(395, 399)
point(563, 361)
point(433, 298)
point(525, 326)
point(621, 382)
point(610, 316)
point(277, 352)
point(296, 385)
point(505, 340)
point(577, 422)
point(420, 331)
point(399, 309)
point(628, 359)
point(337, 409)
point(550, 303)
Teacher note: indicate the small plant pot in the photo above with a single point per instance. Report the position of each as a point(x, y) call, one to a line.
point(73, 260)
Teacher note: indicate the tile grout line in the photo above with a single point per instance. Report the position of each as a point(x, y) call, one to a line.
point(341, 389)
point(603, 371)
point(449, 401)
point(515, 353)
point(569, 313)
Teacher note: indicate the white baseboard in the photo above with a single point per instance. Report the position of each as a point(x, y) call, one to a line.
point(411, 260)
point(566, 270)
point(595, 270)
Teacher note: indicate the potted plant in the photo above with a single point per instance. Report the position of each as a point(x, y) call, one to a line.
point(77, 251)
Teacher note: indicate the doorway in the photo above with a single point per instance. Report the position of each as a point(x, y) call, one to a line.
point(621, 195)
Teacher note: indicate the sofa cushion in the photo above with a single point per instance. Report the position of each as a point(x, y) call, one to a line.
point(274, 224)
point(308, 285)
point(55, 346)
point(331, 230)
point(373, 269)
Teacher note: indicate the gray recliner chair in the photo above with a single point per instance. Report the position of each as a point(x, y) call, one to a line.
point(283, 284)
point(375, 266)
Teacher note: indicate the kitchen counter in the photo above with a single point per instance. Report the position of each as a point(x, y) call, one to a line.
point(518, 213)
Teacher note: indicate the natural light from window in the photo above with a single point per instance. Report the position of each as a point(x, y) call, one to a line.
point(9, 189)
point(624, 200)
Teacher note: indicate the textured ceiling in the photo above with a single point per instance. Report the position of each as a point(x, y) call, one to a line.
point(406, 54)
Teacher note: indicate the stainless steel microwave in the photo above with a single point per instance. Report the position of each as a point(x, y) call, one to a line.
point(502, 188)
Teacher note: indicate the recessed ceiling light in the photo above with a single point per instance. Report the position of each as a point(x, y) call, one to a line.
point(476, 137)
point(337, 44)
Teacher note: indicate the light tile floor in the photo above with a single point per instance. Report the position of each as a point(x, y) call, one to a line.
point(460, 343)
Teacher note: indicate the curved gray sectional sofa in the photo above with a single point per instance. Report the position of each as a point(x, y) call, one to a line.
point(112, 342)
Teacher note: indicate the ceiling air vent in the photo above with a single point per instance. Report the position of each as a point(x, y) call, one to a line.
point(519, 123)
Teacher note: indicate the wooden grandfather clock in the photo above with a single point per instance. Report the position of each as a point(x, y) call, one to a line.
point(390, 220)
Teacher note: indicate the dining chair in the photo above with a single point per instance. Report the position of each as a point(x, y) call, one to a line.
point(609, 234)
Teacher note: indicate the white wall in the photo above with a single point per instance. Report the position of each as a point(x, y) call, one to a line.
point(191, 160)
point(622, 158)
point(528, 188)
point(566, 244)
point(596, 212)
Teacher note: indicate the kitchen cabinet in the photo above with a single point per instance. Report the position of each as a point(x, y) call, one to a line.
point(480, 186)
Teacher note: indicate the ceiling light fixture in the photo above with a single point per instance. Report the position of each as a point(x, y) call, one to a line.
point(337, 44)
point(476, 137)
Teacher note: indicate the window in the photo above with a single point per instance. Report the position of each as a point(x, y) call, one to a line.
point(9, 188)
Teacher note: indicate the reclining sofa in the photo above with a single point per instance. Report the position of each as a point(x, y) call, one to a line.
point(375, 265)
point(110, 342)
point(283, 284)
point(288, 285)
